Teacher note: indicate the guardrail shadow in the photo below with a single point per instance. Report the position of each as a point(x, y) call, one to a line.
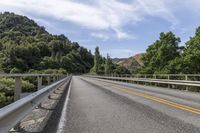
point(52, 123)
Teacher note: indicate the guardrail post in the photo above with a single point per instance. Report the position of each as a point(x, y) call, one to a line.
point(39, 86)
point(54, 79)
point(168, 77)
point(118, 77)
point(135, 76)
point(18, 88)
point(145, 77)
point(186, 78)
point(156, 83)
point(48, 80)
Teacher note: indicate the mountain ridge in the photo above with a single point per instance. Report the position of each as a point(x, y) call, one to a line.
point(26, 46)
point(132, 63)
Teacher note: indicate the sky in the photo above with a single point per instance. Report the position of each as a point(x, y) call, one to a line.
point(120, 28)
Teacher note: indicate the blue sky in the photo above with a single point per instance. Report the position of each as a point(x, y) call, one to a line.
point(120, 28)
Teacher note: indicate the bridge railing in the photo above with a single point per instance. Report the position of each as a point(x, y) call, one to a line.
point(11, 114)
point(171, 80)
point(158, 76)
point(18, 81)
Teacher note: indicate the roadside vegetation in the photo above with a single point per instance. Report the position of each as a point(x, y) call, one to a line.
point(104, 65)
point(167, 56)
point(26, 47)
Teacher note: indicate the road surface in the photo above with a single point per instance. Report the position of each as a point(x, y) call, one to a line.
point(96, 106)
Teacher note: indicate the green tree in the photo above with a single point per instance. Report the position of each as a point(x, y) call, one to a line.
point(56, 47)
point(120, 70)
point(161, 53)
point(191, 55)
point(26, 46)
point(97, 57)
point(108, 65)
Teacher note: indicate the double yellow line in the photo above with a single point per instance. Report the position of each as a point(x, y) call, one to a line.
point(159, 100)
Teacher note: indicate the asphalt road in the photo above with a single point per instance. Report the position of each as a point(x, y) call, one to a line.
point(96, 106)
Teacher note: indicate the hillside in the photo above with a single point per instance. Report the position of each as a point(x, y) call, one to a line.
point(117, 60)
point(25, 47)
point(137, 57)
point(132, 63)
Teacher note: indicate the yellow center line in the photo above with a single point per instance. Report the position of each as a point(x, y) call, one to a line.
point(157, 99)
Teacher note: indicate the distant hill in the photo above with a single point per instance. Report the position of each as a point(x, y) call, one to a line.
point(117, 60)
point(25, 47)
point(132, 63)
point(137, 57)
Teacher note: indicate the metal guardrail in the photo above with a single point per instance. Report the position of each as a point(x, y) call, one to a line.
point(26, 75)
point(11, 114)
point(155, 76)
point(18, 81)
point(150, 80)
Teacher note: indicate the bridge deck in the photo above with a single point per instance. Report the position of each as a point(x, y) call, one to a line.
point(93, 109)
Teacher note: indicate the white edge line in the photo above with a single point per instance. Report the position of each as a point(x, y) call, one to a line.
point(62, 121)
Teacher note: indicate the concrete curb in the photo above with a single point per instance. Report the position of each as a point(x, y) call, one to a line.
point(37, 120)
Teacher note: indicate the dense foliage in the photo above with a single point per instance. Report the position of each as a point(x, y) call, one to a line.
point(161, 53)
point(190, 61)
point(25, 46)
point(106, 66)
point(165, 56)
point(7, 86)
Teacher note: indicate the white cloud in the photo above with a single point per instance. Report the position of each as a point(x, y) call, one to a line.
point(123, 35)
point(64, 10)
point(159, 8)
point(98, 15)
point(107, 35)
point(102, 36)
